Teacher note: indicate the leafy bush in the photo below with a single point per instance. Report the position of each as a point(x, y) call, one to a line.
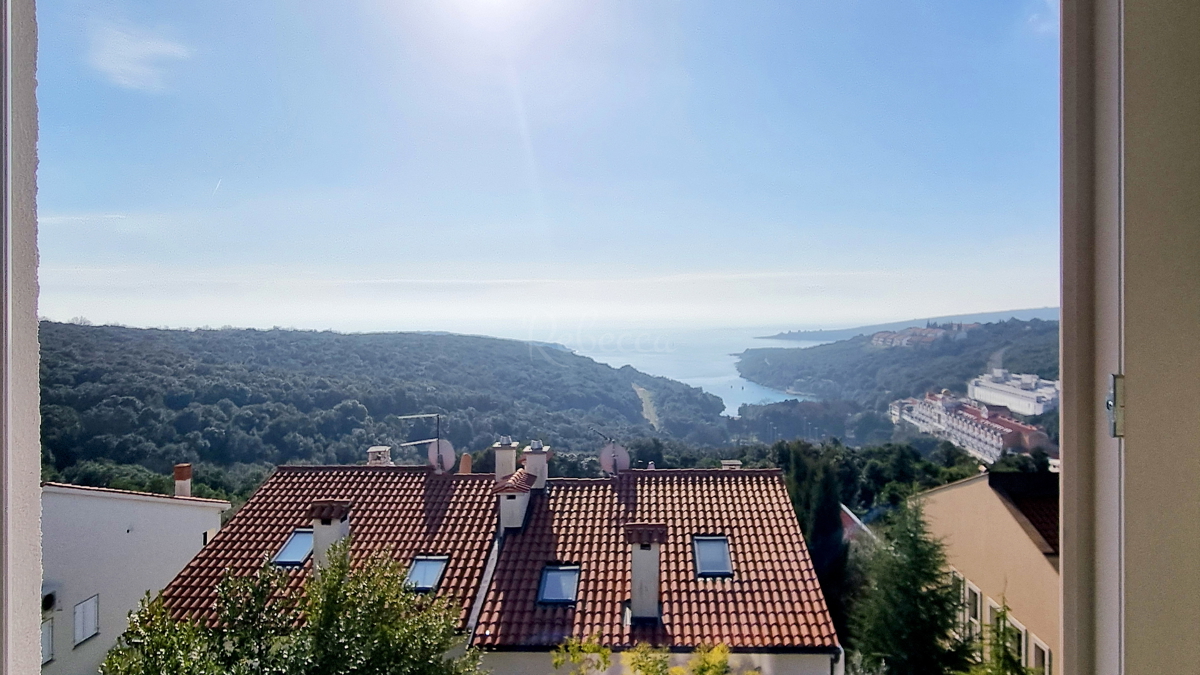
point(348, 620)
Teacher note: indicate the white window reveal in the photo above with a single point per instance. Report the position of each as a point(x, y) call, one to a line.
point(974, 611)
point(296, 549)
point(426, 572)
point(559, 584)
point(712, 556)
point(47, 641)
point(87, 618)
point(1040, 662)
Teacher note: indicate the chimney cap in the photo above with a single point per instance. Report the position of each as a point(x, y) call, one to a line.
point(379, 455)
point(535, 446)
point(183, 472)
point(329, 509)
point(505, 440)
point(646, 533)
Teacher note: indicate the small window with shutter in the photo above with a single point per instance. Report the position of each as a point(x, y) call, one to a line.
point(87, 619)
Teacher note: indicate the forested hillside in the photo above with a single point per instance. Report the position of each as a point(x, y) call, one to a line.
point(229, 398)
point(870, 376)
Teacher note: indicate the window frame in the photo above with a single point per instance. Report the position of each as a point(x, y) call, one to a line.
point(702, 574)
point(288, 542)
point(550, 568)
point(95, 601)
point(975, 623)
point(437, 582)
point(1035, 643)
point(47, 644)
point(1023, 647)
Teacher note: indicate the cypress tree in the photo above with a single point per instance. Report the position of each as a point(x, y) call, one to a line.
point(906, 618)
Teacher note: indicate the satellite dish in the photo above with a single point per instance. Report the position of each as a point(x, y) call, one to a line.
point(622, 456)
point(441, 455)
point(608, 456)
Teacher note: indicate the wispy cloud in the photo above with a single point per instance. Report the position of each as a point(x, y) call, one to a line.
point(131, 57)
point(1046, 19)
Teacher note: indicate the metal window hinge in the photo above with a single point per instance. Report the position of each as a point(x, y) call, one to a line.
point(1115, 403)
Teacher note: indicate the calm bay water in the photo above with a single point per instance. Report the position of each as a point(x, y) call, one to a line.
point(702, 358)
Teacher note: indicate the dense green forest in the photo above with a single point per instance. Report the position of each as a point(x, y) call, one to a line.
point(245, 400)
point(870, 376)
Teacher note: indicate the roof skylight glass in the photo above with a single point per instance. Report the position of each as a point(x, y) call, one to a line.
point(712, 557)
point(426, 572)
point(559, 583)
point(296, 550)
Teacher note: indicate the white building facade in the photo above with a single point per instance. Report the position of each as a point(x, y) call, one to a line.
point(1023, 394)
point(102, 551)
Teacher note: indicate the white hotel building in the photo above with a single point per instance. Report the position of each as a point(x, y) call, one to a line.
point(1023, 394)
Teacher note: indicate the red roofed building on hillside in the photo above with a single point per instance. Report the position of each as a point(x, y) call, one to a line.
point(677, 558)
point(985, 431)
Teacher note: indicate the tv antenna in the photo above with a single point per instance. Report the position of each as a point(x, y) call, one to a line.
point(438, 451)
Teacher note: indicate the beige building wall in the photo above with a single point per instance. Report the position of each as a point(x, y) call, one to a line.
point(117, 546)
point(539, 663)
point(987, 544)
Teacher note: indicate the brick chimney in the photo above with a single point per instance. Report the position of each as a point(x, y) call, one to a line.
point(505, 451)
point(464, 464)
point(330, 524)
point(645, 541)
point(536, 460)
point(183, 480)
point(379, 455)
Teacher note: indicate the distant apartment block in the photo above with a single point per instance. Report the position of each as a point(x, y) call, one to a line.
point(986, 431)
point(102, 550)
point(919, 337)
point(1000, 532)
point(1023, 394)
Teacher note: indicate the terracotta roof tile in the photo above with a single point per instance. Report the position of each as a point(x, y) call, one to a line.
point(408, 510)
point(521, 481)
point(772, 601)
point(329, 509)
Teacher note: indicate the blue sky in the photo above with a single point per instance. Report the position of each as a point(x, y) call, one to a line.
point(484, 165)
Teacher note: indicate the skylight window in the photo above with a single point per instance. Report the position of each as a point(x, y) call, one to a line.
point(426, 572)
point(712, 557)
point(559, 584)
point(296, 550)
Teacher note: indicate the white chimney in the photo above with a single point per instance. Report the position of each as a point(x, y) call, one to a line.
point(379, 455)
point(183, 480)
point(330, 524)
point(505, 452)
point(514, 500)
point(536, 458)
point(645, 541)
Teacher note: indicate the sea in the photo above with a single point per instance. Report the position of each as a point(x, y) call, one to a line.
point(704, 358)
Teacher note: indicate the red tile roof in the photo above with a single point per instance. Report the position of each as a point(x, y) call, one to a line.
point(771, 602)
point(408, 509)
point(329, 509)
point(521, 481)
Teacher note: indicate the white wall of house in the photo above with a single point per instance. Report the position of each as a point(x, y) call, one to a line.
point(116, 546)
point(538, 663)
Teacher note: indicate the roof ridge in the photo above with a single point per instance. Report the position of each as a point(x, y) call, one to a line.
point(400, 468)
point(136, 493)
